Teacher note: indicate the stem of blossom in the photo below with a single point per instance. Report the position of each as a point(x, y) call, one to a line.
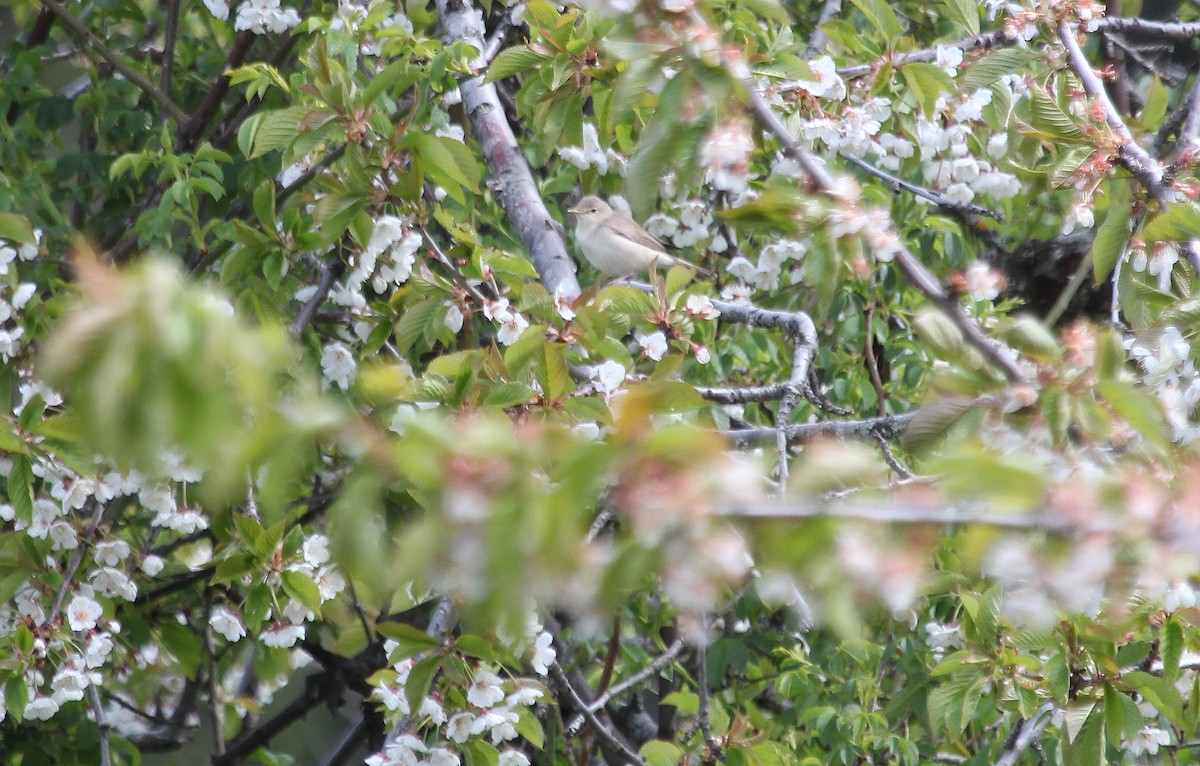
point(118, 63)
point(101, 724)
point(73, 567)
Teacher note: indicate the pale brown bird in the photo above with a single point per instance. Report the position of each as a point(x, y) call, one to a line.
point(616, 245)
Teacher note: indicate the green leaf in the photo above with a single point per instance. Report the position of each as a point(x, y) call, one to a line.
point(933, 420)
point(302, 588)
point(989, 69)
point(1171, 647)
point(513, 61)
point(552, 372)
point(477, 647)
point(1180, 223)
point(264, 206)
point(282, 126)
point(928, 83)
point(15, 228)
point(965, 12)
point(1087, 749)
point(446, 161)
point(412, 640)
point(1155, 107)
point(1049, 118)
point(881, 16)
point(1113, 233)
point(660, 753)
point(420, 678)
point(20, 487)
point(1158, 692)
point(1139, 408)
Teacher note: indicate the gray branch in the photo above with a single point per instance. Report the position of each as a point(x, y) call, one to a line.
point(512, 180)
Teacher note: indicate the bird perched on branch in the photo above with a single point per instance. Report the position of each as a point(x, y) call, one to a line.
point(616, 245)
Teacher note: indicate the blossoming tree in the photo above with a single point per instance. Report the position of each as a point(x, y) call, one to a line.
point(311, 404)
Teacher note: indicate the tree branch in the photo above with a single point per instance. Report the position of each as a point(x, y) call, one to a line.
point(512, 180)
point(107, 54)
point(888, 427)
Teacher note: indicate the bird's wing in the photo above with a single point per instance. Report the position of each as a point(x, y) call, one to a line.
point(628, 229)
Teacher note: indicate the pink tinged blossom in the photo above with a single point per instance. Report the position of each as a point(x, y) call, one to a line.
point(113, 583)
point(654, 345)
point(110, 553)
point(458, 728)
point(83, 612)
point(440, 756)
point(608, 376)
point(485, 690)
point(1146, 742)
point(330, 582)
point(498, 722)
point(825, 83)
point(726, 155)
point(433, 711)
point(45, 513)
point(562, 305)
point(543, 654)
point(982, 282)
point(702, 354)
point(701, 307)
point(525, 696)
point(96, 649)
point(227, 624)
point(282, 635)
point(512, 758)
point(393, 698)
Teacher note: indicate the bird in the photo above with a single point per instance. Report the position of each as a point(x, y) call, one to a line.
point(616, 244)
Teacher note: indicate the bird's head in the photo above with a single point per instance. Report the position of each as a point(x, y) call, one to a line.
point(590, 208)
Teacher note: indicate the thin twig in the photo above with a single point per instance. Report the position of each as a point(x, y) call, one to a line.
point(904, 515)
point(656, 665)
point(1028, 731)
point(818, 40)
point(889, 426)
point(597, 725)
point(168, 62)
point(101, 725)
point(118, 63)
point(702, 713)
point(962, 209)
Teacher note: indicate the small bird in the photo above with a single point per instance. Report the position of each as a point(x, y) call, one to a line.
point(616, 245)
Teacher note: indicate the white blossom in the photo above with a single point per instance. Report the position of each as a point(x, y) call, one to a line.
point(338, 365)
point(654, 344)
point(485, 690)
point(228, 624)
point(83, 612)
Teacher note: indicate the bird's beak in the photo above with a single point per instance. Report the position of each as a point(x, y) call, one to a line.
point(574, 210)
